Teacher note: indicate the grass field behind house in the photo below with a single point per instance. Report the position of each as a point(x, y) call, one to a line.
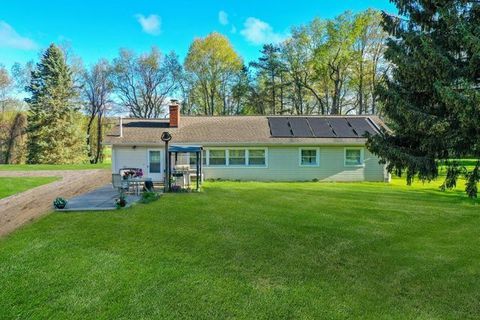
point(10, 186)
point(252, 250)
point(81, 166)
point(31, 167)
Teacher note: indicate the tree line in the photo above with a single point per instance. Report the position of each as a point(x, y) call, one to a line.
point(324, 67)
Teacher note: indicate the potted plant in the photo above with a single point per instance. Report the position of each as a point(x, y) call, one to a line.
point(60, 203)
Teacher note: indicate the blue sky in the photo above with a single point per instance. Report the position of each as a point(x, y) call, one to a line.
point(97, 29)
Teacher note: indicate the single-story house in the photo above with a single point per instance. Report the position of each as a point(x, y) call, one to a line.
point(281, 148)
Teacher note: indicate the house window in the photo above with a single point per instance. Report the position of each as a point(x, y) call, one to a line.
point(309, 157)
point(256, 157)
point(217, 157)
point(193, 158)
point(353, 156)
point(236, 157)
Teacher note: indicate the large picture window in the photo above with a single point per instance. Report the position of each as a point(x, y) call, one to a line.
point(353, 157)
point(309, 157)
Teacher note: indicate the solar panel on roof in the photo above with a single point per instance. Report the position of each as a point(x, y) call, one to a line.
point(321, 128)
point(279, 127)
point(361, 125)
point(300, 127)
point(341, 128)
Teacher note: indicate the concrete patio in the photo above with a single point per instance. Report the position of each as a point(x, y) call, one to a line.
point(99, 199)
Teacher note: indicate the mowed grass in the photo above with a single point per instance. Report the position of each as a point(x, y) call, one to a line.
point(251, 250)
point(10, 186)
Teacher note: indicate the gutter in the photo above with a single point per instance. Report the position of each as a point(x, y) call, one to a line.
point(359, 142)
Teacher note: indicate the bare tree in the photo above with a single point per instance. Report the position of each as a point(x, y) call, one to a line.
point(144, 82)
point(369, 47)
point(97, 89)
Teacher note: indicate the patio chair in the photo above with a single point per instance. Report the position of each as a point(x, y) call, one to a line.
point(120, 184)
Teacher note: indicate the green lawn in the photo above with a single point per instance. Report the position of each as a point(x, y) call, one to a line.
point(30, 167)
point(10, 186)
point(253, 251)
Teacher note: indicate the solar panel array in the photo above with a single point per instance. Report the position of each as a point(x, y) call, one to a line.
point(320, 127)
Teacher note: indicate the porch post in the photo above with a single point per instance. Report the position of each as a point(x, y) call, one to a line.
point(198, 165)
point(169, 181)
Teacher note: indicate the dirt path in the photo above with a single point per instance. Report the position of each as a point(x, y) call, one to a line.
point(21, 208)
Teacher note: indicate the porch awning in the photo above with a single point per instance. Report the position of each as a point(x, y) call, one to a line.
point(185, 149)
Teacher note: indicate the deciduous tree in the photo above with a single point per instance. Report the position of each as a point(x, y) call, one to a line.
point(143, 83)
point(5, 87)
point(97, 88)
point(214, 64)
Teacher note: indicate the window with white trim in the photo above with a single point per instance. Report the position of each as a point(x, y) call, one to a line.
point(353, 156)
point(217, 157)
point(309, 157)
point(236, 157)
point(256, 157)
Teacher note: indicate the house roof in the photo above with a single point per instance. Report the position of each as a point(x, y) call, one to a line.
point(227, 130)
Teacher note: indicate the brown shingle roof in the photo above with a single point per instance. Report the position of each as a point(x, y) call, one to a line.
point(216, 130)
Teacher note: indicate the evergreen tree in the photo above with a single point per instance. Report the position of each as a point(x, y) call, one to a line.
point(272, 69)
point(432, 98)
point(54, 125)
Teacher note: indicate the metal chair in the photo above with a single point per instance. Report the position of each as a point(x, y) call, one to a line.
point(120, 184)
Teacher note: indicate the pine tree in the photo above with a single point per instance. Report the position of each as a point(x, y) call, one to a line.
point(54, 125)
point(272, 69)
point(432, 97)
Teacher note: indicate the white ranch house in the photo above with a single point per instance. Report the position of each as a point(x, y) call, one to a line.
point(267, 148)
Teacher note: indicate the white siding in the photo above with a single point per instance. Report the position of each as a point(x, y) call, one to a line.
point(128, 157)
point(282, 165)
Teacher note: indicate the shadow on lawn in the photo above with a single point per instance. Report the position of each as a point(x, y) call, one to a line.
point(421, 191)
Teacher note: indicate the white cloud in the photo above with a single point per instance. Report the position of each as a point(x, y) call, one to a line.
point(233, 29)
point(223, 18)
point(259, 32)
point(150, 24)
point(9, 38)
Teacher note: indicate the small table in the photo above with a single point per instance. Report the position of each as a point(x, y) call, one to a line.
point(136, 182)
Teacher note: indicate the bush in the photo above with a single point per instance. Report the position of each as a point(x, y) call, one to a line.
point(149, 196)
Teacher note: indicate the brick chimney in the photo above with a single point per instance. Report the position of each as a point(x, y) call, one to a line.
point(174, 109)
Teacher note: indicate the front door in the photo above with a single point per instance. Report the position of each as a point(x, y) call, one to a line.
point(155, 164)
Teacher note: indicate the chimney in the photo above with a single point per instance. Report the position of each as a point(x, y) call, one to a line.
point(174, 109)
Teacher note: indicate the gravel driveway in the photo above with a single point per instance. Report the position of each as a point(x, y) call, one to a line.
point(21, 208)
